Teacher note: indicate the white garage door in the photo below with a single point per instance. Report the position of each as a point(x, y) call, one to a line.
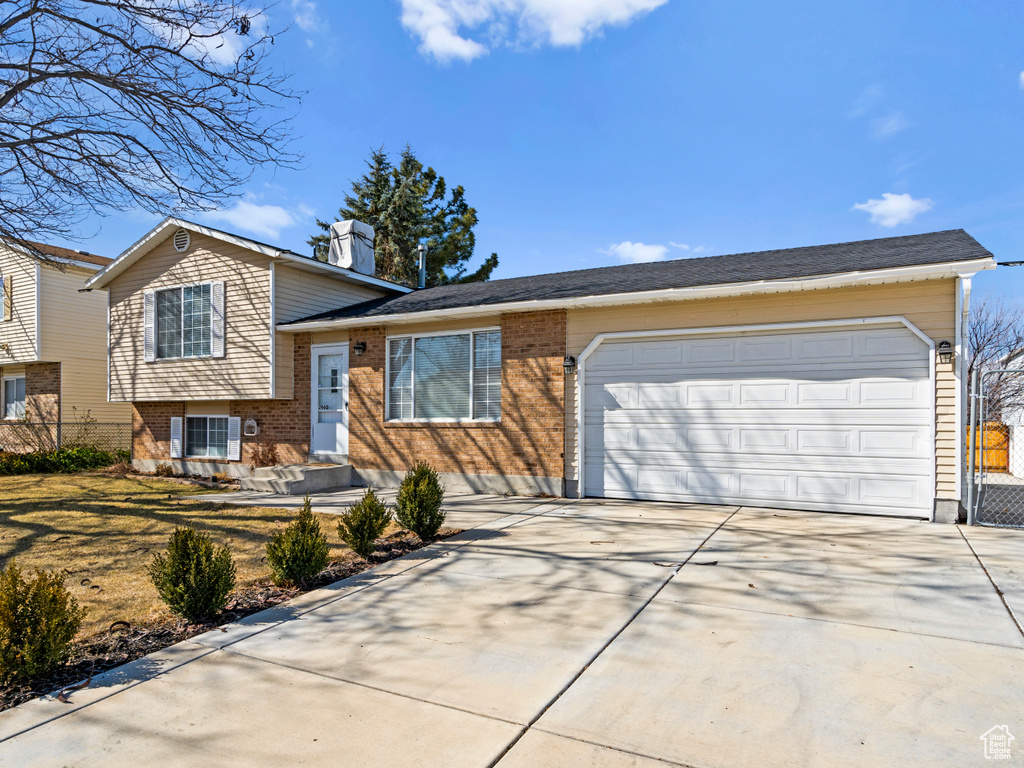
point(833, 420)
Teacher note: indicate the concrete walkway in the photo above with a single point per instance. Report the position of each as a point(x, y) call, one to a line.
point(593, 634)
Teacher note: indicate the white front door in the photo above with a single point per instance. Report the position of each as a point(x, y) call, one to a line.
point(330, 400)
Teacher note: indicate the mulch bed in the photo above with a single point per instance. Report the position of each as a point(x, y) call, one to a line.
point(123, 642)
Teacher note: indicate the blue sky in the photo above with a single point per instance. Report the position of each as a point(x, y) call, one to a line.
point(589, 133)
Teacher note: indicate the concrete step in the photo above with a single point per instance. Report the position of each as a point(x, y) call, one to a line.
point(298, 479)
point(293, 471)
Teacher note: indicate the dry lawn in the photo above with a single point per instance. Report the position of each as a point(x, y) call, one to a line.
point(103, 531)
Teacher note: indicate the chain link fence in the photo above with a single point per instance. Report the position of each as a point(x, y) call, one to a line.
point(30, 437)
point(996, 457)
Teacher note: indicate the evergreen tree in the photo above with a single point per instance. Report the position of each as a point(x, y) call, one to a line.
point(407, 204)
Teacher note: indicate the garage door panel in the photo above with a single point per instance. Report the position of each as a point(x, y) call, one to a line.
point(726, 461)
point(758, 393)
point(839, 420)
point(686, 443)
point(812, 491)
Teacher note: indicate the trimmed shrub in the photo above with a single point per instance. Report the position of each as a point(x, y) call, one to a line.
point(76, 459)
point(300, 551)
point(418, 505)
point(363, 523)
point(38, 621)
point(193, 577)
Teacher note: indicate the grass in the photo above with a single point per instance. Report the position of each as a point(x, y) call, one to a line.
point(103, 531)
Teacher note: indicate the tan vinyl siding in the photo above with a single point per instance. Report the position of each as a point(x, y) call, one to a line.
point(19, 333)
point(930, 305)
point(299, 294)
point(284, 366)
point(73, 332)
point(244, 371)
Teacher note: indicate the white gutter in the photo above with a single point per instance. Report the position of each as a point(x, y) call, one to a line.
point(843, 280)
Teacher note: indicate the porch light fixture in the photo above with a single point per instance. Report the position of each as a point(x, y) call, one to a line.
point(569, 365)
point(359, 348)
point(945, 352)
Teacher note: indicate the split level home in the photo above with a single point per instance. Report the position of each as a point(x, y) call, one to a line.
point(823, 378)
point(53, 347)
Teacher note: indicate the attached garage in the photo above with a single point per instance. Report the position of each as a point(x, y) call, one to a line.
point(829, 416)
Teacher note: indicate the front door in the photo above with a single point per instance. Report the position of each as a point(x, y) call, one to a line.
point(330, 401)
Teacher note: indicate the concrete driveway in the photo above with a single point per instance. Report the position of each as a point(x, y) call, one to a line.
point(593, 634)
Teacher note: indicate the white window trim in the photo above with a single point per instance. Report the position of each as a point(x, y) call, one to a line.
point(184, 436)
point(156, 323)
point(3, 397)
point(471, 332)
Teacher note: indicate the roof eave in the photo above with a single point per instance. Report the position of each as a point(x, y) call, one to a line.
point(841, 280)
point(143, 245)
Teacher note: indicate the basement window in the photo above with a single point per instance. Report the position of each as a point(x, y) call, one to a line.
point(14, 397)
point(206, 437)
point(445, 377)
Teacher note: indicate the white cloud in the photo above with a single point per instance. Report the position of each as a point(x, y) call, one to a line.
point(636, 253)
point(891, 124)
point(200, 43)
point(440, 24)
point(260, 220)
point(306, 17)
point(680, 246)
point(1022, 80)
point(867, 101)
point(894, 209)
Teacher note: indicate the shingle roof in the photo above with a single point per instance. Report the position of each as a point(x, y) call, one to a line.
point(813, 261)
point(68, 254)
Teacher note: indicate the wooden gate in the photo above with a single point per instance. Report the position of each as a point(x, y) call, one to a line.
point(993, 447)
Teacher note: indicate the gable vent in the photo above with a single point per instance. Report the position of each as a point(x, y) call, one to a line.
point(182, 240)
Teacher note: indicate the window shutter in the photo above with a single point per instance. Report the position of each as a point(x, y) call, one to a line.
point(217, 319)
point(176, 437)
point(149, 320)
point(235, 438)
point(6, 297)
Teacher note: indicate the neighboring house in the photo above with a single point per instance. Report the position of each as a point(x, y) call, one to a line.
point(53, 347)
point(802, 378)
point(1013, 418)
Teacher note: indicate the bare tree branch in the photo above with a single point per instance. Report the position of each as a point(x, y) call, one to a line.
point(995, 335)
point(164, 105)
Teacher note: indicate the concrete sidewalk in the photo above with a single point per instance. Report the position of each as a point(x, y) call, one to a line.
point(592, 634)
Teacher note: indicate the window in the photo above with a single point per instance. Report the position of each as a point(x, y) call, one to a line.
point(14, 398)
point(206, 437)
point(183, 322)
point(453, 377)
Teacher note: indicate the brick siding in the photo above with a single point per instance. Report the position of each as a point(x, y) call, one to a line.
point(39, 431)
point(529, 439)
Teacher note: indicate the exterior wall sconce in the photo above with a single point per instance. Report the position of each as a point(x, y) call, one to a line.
point(569, 365)
point(945, 351)
point(359, 348)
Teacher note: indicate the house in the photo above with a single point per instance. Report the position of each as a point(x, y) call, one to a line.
point(822, 378)
point(53, 347)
